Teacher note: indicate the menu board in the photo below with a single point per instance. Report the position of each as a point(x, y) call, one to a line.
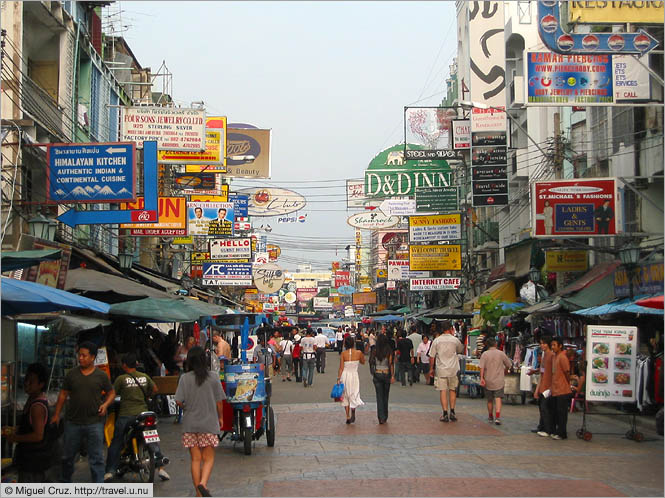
point(611, 354)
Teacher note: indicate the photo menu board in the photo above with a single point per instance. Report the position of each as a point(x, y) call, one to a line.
point(611, 354)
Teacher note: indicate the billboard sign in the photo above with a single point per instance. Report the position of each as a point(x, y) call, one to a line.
point(566, 260)
point(461, 134)
point(246, 140)
point(648, 279)
point(216, 274)
point(199, 183)
point(398, 269)
point(611, 355)
point(575, 208)
point(268, 278)
point(272, 201)
point(435, 257)
point(213, 153)
point(172, 215)
point(99, 172)
point(373, 220)
point(569, 79)
point(634, 12)
point(210, 218)
point(429, 128)
point(322, 303)
point(361, 298)
point(437, 199)
point(174, 128)
point(435, 227)
point(240, 205)
point(434, 284)
point(487, 52)
point(342, 278)
point(355, 194)
point(306, 294)
point(231, 249)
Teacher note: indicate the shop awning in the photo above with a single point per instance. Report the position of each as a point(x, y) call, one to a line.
point(448, 312)
point(183, 309)
point(621, 306)
point(15, 260)
point(169, 287)
point(19, 296)
point(518, 258)
point(107, 287)
point(652, 302)
point(388, 318)
point(504, 291)
point(600, 291)
point(497, 272)
point(596, 273)
point(542, 307)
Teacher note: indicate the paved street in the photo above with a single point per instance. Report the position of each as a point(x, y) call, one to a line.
point(317, 454)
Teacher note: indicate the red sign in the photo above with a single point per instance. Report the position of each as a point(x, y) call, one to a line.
point(342, 278)
point(575, 208)
point(144, 215)
point(305, 294)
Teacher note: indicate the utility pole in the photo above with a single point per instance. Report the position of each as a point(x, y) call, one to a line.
point(558, 147)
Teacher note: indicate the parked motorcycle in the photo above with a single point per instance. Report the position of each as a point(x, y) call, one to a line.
point(140, 448)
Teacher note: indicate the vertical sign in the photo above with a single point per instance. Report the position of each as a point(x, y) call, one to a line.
point(359, 240)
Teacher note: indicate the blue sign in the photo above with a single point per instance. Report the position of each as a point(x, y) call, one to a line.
point(91, 172)
point(149, 213)
point(574, 218)
point(346, 290)
point(227, 274)
point(569, 79)
point(240, 204)
point(557, 40)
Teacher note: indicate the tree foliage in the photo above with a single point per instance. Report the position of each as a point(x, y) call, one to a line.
point(490, 310)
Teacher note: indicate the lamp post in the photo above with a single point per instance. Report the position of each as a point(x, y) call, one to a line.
point(42, 227)
point(629, 256)
point(534, 276)
point(125, 259)
point(461, 291)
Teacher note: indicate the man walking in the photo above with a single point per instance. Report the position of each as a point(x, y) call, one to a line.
point(561, 391)
point(493, 367)
point(404, 358)
point(321, 342)
point(415, 339)
point(339, 337)
point(84, 417)
point(443, 354)
point(308, 354)
point(544, 389)
point(286, 347)
point(422, 359)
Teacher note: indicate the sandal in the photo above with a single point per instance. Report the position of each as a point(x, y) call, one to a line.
point(203, 490)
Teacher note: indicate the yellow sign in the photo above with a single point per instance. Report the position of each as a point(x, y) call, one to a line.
point(364, 279)
point(222, 197)
point(213, 154)
point(435, 257)
point(566, 261)
point(183, 240)
point(381, 273)
point(172, 216)
point(218, 124)
point(611, 12)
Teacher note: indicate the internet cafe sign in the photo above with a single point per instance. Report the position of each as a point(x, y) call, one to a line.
point(268, 278)
point(173, 128)
point(434, 284)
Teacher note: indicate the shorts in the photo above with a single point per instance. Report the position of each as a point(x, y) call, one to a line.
point(446, 383)
point(491, 394)
point(199, 440)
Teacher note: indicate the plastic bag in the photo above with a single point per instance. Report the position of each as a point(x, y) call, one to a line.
point(337, 391)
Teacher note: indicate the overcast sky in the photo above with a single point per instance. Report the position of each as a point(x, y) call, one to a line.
point(330, 79)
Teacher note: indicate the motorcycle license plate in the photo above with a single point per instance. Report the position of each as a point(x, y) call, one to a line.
point(151, 436)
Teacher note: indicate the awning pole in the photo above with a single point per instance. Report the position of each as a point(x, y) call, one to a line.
point(55, 358)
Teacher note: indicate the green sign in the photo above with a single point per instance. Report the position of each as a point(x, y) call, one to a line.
point(389, 175)
point(437, 199)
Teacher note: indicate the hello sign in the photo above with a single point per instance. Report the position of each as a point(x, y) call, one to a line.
point(268, 278)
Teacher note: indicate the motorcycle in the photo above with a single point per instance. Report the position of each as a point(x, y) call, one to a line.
point(139, 452)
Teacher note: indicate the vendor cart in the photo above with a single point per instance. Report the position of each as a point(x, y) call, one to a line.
point(470, 376)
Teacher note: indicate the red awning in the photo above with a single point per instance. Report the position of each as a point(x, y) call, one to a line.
point(597, 273)
point(497, 272)
point(652, 302)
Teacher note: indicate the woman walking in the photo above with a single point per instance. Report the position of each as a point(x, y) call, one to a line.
point(381, 357)
point(200, 395)
point(348, 375)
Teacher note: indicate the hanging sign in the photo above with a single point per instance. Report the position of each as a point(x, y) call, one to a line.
point(566, 260)
point(398, 269)
point(372, 221)
point(355, 194)
point(433, 284)
point(273, 201)
point(437, 199)
point(268, 278)
point(231, 249)
point(461, 134)
point(213, 153)
point(210, 218)
point(216, 274)
point(174, 128)
point(172, 218)
point(611, 354)
point(435, 257)
point(434, 228)
point(398, 207)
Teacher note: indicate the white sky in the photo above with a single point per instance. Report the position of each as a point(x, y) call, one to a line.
point(330, 79)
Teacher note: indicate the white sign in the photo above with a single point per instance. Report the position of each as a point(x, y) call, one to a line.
point(461, 134)
point(261, 258)
point(174, 128)
point(268, 278)
point(231, 249)
point(398, 207)
point(631, 80)
point(430, 284)
point(391, 285)
point(322, 303)
point(348, 312)
point(373, 220)
point(488, 119)
point(290, 297)
point(270, 201)
point(398, 269)
point(355, 194)
point(435, 227)
point(611, 354)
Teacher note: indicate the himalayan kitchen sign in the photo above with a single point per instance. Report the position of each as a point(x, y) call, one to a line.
point(173, 128)
point(575, 208)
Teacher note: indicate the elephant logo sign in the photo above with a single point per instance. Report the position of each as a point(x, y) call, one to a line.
point(395, 158)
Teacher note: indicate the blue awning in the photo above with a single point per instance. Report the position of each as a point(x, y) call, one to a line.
point(621, 306)
point(388, 318)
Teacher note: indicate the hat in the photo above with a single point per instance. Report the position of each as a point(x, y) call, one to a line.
point(297, 337)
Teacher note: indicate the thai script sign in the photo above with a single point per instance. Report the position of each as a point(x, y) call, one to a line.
point(434, 228)
point(173, 128)
point(435, 257)
point(213, 153)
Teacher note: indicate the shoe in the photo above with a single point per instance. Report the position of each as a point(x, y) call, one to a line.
point(353, 416)
point(536, 430)
point(163, 475)
point(543, 434)
point(108, 476)
point(289, 379)
point(497, 421)
point(555, 436)
point(444, 418)
point(283, 380)
point(348, 421)
point(453, 418)
point(203, 490)
point(490, 420)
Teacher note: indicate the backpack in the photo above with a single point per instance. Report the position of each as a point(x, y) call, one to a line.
point(295, 353)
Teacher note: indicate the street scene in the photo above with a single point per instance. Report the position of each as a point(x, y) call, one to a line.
point(332, 248)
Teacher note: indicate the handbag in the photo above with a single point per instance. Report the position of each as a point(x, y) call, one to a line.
point(337, 391)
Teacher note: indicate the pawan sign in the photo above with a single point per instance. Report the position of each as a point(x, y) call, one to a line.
point(433, 284)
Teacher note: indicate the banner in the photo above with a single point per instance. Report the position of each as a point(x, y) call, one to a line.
point(174, 128)
point(435, 228)
point(575, 208)
point(433, 284)
point(611, 355)
point(210, 218)
point(248, 141)
point(172, 216)
point(435, 257)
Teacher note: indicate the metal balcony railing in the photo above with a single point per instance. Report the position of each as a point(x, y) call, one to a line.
point(41, 106)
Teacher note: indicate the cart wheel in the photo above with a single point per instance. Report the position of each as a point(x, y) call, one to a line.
point(270, 430)
point(638, 437)
point(630, 434)
point(587, 436)
point(579, 433)
point(247, 439)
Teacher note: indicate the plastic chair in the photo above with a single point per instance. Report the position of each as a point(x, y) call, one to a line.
point(578, 397)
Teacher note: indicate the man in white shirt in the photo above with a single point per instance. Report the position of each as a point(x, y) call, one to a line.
point(286, 345)
point(416, 339)
point(444, 351)
point(308, 355)
point(339, 337)
point(321, 342)
point(422, 359)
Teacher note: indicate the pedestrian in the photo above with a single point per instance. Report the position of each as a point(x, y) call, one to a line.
point(372, 340)
point(287, 357)
point(339, 339)
point(308, 354)
point(200, 395)
point(544, 389)
point(348, 375)
point(381, 361)
point(181, 353)
point(36, 449)
point(86, 410)
point(561, 391)
point(222, 347)
point(405, 359)
point(415, 339)
point(443, 354)
point(134, 388)
point(297, 358)
point(422, 359)
point(493, 367)
point(321, 343)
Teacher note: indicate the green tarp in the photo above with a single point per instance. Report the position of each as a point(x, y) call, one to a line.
point(600, 292)
point(15, 260)
point(166, 310)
